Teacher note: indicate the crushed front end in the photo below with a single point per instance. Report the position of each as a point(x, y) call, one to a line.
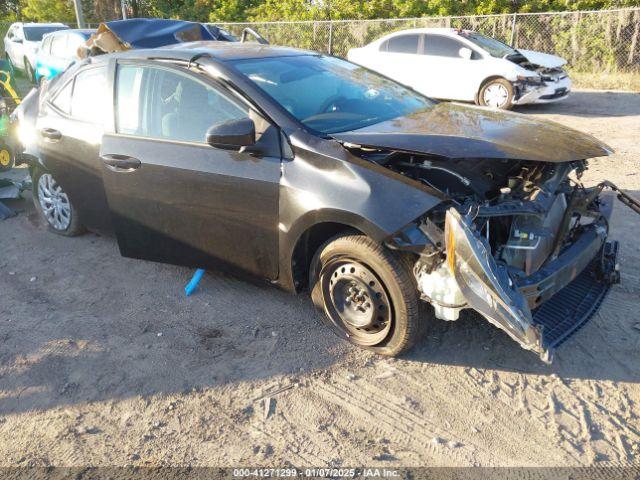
point(546, 85)
point(522, 243)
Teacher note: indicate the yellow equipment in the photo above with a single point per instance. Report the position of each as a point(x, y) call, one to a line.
point(9, 99)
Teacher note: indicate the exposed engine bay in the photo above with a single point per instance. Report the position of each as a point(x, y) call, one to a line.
point(511, 234)
point(518, 206)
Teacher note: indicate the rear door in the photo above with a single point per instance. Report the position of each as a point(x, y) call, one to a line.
point(70, 125)
point(15, 47)
point(43, 57)
point(59, 58)
point(175, 199)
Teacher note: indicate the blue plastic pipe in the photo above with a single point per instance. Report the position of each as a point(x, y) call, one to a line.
point(193, 283)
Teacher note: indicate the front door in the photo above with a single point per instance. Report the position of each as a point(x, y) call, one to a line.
point(398, 59)
point(175, 199)
point(450, 75)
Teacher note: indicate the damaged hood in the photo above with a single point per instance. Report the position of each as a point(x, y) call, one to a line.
point(458, 131)
point(545, 60)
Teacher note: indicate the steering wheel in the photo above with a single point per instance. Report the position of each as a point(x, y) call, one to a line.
point(333, 101)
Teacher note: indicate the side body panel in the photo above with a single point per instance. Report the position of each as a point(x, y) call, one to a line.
point(194, 205)
point(15, 50)
point(75, 162)
point(324, 183)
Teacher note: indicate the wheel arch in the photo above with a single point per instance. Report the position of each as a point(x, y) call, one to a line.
point(302, 241)
point(488, 79)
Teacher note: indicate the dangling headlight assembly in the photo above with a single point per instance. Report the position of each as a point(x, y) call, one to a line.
point(485, 285)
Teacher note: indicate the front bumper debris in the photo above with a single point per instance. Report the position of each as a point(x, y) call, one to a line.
point(542, 310)
point(548, 92)
point(574, 305)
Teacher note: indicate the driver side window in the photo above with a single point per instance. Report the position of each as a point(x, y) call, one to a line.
point(163, 103)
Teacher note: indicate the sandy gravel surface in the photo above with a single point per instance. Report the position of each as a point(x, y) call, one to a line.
point(103, 361)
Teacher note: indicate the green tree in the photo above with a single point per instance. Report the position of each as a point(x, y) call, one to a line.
point(10, 11)
point(49, 11)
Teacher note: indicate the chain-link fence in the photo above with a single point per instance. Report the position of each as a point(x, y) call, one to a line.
point(593, 42)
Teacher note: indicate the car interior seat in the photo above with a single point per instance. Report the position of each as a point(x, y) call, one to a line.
point(192, 115)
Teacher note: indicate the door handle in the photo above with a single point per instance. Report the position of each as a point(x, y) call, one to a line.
point(122, 163)
point(51, 134)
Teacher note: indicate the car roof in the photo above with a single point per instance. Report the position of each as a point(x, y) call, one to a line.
point(440, 30)
point(215, 49)
point(35, 24)
point(85, 32)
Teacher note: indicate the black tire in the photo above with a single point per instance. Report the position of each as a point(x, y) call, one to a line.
point(8, 58)
point(499, 84)
point(381, 279)
point(74, 226)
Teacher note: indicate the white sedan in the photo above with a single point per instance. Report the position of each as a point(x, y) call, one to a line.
point(22, 42)
point(463, 65)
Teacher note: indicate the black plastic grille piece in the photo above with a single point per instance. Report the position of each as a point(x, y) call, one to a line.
point(569, 309)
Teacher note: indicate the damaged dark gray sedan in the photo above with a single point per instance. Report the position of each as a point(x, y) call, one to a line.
point(317, 174)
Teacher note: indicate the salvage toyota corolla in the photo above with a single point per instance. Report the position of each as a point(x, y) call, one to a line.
point(318, 174)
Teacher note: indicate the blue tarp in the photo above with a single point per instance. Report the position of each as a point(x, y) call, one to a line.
point(156, 32)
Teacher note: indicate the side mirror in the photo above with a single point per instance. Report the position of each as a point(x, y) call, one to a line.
point(232, 135)
point(17, 40)
point(465, 53)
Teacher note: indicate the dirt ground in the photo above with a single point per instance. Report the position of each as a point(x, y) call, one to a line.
point(104, 361)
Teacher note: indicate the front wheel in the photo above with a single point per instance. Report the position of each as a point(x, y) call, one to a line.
point(497, 93)
point(367, 294)
point(54, 205)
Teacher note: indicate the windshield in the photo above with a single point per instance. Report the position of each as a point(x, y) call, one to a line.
point(35, 34)
point(495, 47)
point(330, 95)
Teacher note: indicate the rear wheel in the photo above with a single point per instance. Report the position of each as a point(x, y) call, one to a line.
point(367, 294)
point(54, 205)
point(497, 93)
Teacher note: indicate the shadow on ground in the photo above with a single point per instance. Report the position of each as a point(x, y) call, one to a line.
point(589, 104)
point(94, 326)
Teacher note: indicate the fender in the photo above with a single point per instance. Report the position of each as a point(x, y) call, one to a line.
point(370, 198)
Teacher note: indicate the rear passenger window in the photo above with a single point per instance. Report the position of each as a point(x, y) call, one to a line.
point(403, 44)
point(59, 45)
point(90, 99)
point(46, 45)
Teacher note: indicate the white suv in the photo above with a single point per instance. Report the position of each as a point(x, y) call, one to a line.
point(464, 65)
point(22, 41)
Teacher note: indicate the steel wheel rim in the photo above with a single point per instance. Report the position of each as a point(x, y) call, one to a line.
point(495, 95)
point(356, 301)
point(54, 202)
